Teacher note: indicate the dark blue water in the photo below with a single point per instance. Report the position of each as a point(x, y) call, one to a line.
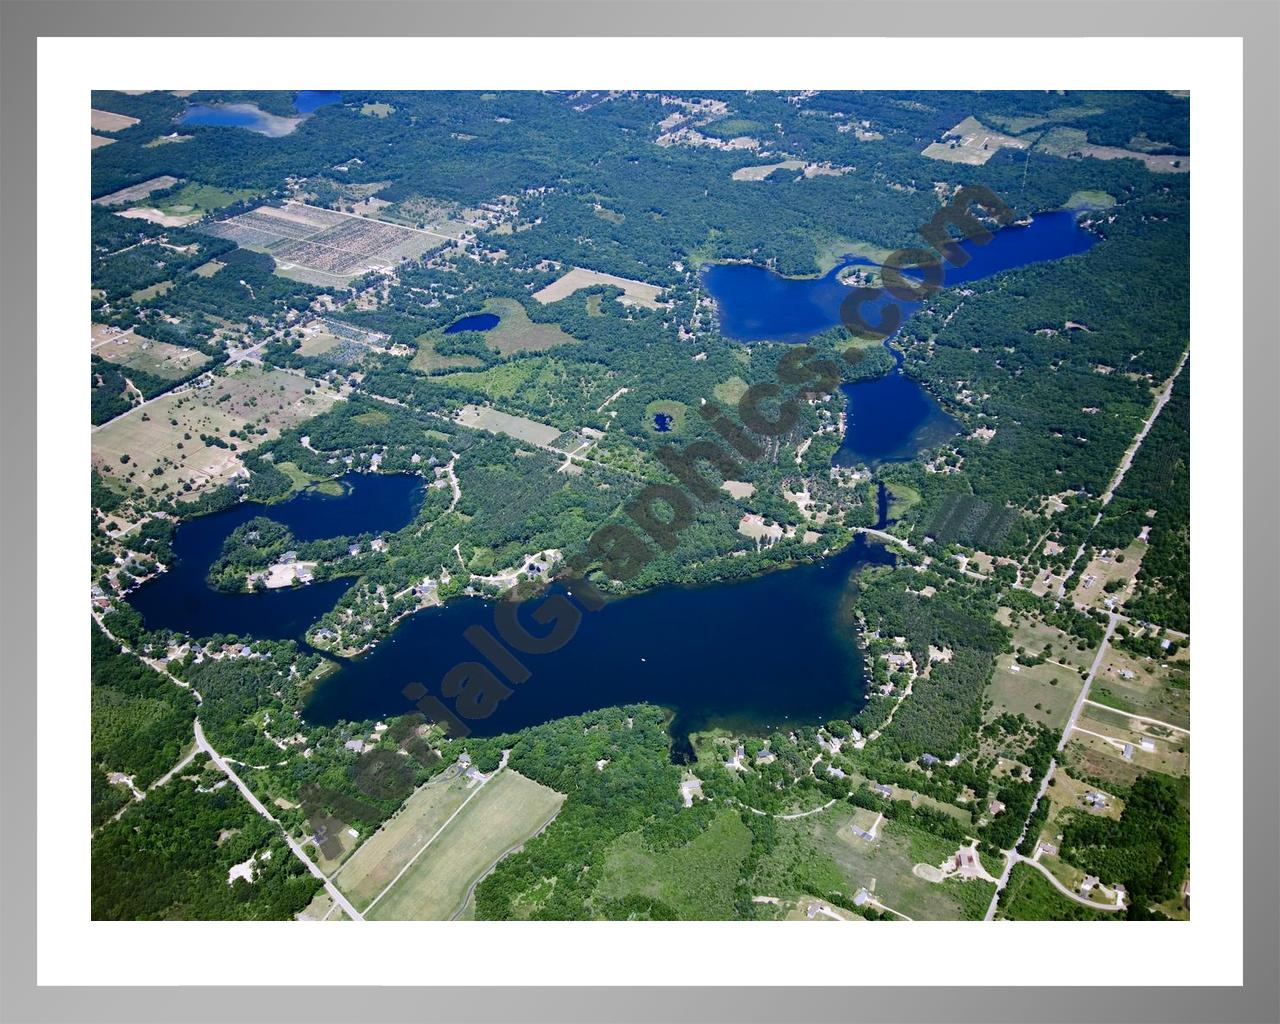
point(238, 115)
point(475, 322)
point(661, 422)
point(755, 304)
point(180, 599)
point(252, 117)
point(890, 418)
point(309, 100)
point(774, 650)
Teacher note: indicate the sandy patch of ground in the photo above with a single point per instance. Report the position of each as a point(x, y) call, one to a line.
point(738, 488)
point(105, 121)
point(635, 293)
point(167, 220)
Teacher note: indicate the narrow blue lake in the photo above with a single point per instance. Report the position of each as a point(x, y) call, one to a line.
point(475, 322)
point(181, 599)
point(253, 118)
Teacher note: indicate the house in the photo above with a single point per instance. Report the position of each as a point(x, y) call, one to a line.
point(1049, 848)
point(928, 760)
point(289, 556)
point(379, 544)
point(356, 745)
point(832, 770)
point(766, 756)
point(1095, 799)
point(995, 807)
point(354, 549)
point(1147, 744)
point(861, 834)
point(860, 897)
point(883, 790)
point(1127, 753)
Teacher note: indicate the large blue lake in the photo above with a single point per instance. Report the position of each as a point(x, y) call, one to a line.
point(180, 599)
point(773, 650)
point(891, 417)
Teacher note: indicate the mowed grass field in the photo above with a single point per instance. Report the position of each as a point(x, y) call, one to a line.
point(382, 856)
point(1044, 693)
point(495, 820)
point(158, 358)
point(165, 433)
point(518, 427)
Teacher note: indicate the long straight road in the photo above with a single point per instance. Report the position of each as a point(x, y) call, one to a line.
point(258, 806)
point(1011, 856)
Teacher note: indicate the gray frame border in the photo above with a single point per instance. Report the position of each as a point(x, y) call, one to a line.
point(23, 21)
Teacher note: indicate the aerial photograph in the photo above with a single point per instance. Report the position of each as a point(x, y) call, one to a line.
point(640, 505)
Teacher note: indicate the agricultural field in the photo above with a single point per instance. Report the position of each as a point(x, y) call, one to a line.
point(159, 447)
point(635, 293)
point(1073, 143)
point(323, 246)
point(506, 813)
point(135, 193)
point(972, 142)
point(522, 429)
point(106, 121)
point(159, 358)
point(202, 199)
point(384, 854)
point(98, 141)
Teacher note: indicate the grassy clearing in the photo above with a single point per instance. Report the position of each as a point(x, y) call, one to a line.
point(209, 269)
point(503, 815)
point(197, 198)
point(696, 881)
point(159, 358)
point(674, 410)
point(1155, 689)
point(147, 294)
point(832, 251)
point(301, 480)
point(387, 851)
point(1030, 896)
point(378, 110)
point(901, 499)
point(730, 391)
point(518, 427)
point(1172, 750)
point(1089, 199)
point(820, 854)
point(517, 333)
point(1044, 693)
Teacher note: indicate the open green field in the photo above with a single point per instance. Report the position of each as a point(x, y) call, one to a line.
point(1030, 896)
point(517, 333)
point(377, 110)
point(382, 856)
point(1172, 753)
point(514, 333)
point(820, 854)
point(1154, 689)
point(501, 816)
point(696, 881)
point(194, 197)
point(158, 358)
point(147, 294)
point(1044, 693)
point(518, 427)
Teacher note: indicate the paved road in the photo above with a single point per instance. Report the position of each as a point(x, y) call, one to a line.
point(886, 537)
point(257, 805)
point(1011, 856)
